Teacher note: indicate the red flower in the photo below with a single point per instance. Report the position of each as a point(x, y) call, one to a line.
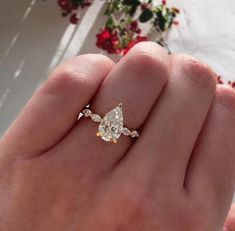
point(69, 7)
point(65, 6)
point(106, 34)
point(74, 19)
point(141, 38)
point(133, 42)
point(164, 2)
point(102, 37)
point(63, 3)
point(135, 27)
point(108, 40)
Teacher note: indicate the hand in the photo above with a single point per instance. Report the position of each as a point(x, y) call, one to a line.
point(178, 175)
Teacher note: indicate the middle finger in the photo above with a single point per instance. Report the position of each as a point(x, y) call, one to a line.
point(136, 82)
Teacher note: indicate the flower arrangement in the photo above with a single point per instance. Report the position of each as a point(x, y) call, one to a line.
point(122, 28)
point(121, 31)
point(124, 18)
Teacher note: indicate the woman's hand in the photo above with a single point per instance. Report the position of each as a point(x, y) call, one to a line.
point(179, 175)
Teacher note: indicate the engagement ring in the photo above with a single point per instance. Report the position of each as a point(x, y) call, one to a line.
point(111, 126)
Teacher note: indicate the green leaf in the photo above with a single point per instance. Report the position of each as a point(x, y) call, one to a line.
point(161, 21)
point(125, 41)
point(131, 2)
point(132, 10)
point(146, 15)
point(77, 2)
point(112, 7)
point(110, 23)
point(131, 6)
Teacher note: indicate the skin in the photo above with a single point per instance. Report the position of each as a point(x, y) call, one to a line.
point(230, 221)
point(55, 174)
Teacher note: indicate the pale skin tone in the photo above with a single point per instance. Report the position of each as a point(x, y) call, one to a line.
point(179, 175)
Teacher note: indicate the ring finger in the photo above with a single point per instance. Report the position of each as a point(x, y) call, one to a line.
point(136, 82)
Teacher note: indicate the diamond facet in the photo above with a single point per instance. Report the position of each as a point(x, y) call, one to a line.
point(111, 125)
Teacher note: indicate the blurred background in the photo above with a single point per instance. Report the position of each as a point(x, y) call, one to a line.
point(34, 38)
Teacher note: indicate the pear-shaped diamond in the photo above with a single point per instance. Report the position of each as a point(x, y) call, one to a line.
point(110, 128)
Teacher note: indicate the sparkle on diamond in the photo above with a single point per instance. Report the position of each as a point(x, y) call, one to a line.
point(111, 125)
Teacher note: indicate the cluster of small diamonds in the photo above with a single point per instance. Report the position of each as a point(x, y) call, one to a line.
point(96, 118)
point(127, 132)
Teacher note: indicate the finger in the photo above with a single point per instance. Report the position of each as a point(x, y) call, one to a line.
point(173, 126)
point(54, 108)
point(230, 221)
point(211, 172)
point(136, 82)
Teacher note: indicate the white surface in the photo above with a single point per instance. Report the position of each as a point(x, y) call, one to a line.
point(34, 38)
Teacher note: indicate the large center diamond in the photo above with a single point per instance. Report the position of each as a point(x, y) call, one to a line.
point(111, 126)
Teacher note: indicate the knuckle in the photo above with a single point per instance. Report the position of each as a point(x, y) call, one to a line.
point(198, 72)
point(65, 78)
point(149, 61)
point(65, 73)
point(81, 72)
point(68, 72)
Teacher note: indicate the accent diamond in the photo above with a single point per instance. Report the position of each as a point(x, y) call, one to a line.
point(86, 112)
point(126, 132)
point(96, 118)
point(111, 126)
point(134, 134)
